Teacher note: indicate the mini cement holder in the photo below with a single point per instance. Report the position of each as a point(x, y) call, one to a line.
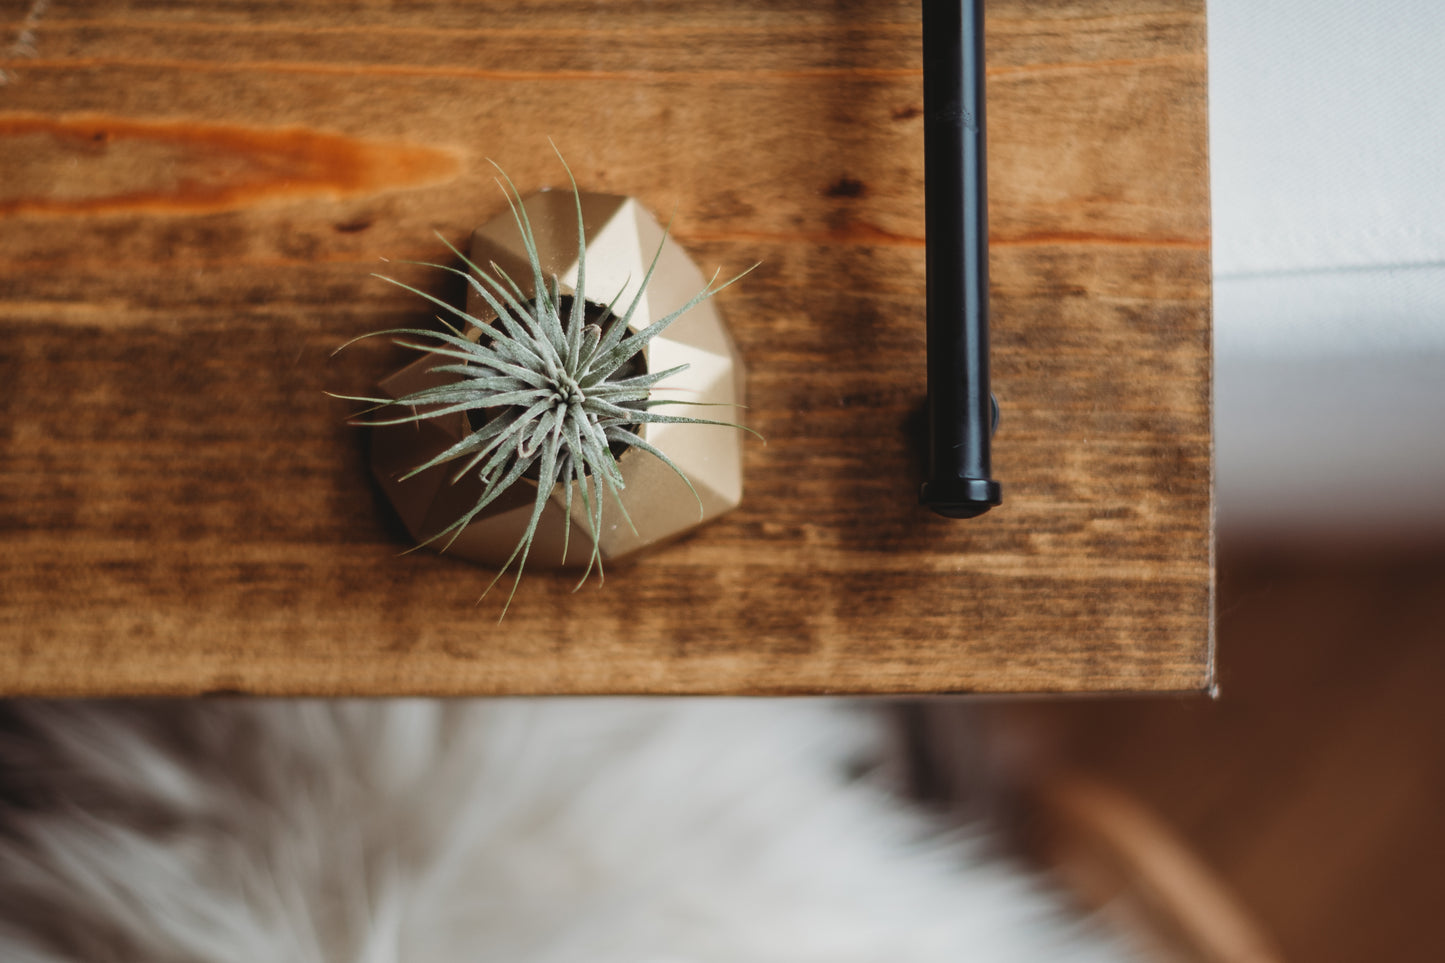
point(622, 238)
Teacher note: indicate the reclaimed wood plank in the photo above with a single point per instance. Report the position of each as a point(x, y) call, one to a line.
point(192, 197)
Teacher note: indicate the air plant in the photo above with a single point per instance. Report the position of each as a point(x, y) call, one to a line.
point(551, 386)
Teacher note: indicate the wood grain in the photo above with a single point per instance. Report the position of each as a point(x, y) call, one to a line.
point(192, 197)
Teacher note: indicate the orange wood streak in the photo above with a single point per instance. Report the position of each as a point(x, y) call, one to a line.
point(862, 236)
point(194, 167)
point(681, 75)
point(629, 30)
point(853, 234)
point(1060, 238)
point(1187, 60)
point(867, 235)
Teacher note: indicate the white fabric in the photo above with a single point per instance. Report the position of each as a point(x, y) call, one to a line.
point(492, 831)
point(1327, 133)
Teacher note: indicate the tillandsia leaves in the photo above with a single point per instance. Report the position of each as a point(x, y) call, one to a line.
point(551, 387)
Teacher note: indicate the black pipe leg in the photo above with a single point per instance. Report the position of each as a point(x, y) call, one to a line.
point(961, 410)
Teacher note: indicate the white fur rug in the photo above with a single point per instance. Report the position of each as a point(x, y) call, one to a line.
point(516, 831)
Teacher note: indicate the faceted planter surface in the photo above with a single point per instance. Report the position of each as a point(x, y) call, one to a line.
point(622, 238)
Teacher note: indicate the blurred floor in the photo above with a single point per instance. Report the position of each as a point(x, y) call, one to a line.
point(1313, 788)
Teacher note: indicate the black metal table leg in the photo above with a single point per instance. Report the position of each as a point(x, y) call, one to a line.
point(961, 411)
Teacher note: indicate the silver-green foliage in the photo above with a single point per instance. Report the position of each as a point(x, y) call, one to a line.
point(555, 388)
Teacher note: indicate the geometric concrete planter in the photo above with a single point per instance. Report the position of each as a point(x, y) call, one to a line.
point(621, 238)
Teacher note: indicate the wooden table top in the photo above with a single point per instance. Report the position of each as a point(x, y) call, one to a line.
point(193, 196)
